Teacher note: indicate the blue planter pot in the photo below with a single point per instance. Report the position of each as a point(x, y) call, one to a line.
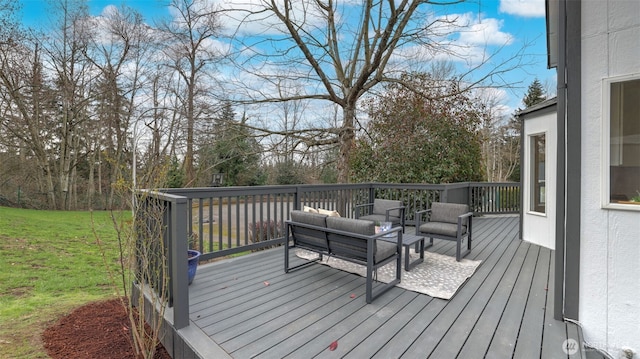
point(194, 257)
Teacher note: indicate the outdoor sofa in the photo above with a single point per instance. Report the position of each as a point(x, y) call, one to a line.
point(353, 240)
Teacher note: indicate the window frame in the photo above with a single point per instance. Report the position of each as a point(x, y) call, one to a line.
point(605, 190)
point(533, 207)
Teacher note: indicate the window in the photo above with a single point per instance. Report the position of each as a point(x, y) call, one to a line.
point(622, 95)
point(538, 160)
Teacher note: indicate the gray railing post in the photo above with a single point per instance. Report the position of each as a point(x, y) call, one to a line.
point(444, 195)
point(178, 271)
point(296, 198)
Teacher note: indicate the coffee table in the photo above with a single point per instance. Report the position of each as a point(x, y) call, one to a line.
point(407, 241)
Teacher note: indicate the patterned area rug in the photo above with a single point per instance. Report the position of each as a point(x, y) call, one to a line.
point(439, 276)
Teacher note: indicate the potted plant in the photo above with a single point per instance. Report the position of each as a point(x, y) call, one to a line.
point(194, 257)
point(632, 200)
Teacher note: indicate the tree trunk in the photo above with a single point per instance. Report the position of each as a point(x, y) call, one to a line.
point(347, 134)
point(188, 158)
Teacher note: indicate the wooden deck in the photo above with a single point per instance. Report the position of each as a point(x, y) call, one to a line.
point(248, 307)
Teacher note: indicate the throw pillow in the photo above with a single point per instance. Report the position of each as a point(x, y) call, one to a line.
point(309, 209)
point(328, 212)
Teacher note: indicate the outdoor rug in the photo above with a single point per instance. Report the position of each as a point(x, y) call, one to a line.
point(439, 276)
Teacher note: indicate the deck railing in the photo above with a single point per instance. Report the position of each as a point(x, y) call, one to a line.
point(225, 221)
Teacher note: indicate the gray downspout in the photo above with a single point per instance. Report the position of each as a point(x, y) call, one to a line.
point(573, 159)
point(522, 171)
point(567, 253)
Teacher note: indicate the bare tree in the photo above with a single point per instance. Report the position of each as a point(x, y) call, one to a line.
point(71, 74)
point(25, 124)
point(341, 51)
point(119, 47)
point(191, 50)
point(161, 124)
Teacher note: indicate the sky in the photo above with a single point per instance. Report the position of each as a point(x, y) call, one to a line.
point(497, 23)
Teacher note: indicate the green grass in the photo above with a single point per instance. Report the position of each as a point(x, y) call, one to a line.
point(50, 263)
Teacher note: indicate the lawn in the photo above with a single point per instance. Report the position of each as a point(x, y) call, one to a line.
point(50, 263)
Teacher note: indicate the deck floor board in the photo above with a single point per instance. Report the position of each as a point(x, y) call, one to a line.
point(249, 307)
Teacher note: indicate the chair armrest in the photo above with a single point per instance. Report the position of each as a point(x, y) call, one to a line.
point(418, 218)
point(398, 236)
point(400, 209)
point(460, 218)
point(356, 208)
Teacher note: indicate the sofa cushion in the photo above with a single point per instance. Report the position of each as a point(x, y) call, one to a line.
point(448, 212)
point(358, 226)
point(315, 219)
point(384, 250)
point(345, 245)
point(357, 247)
point(309, 237)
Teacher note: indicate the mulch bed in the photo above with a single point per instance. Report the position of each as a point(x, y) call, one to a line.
point(96, 330)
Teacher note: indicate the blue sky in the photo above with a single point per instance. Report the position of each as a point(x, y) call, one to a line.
point(512, 22)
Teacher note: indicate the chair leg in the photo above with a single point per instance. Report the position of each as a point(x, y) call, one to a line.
point(369, 284)
point(286, 255)
point(460, 255)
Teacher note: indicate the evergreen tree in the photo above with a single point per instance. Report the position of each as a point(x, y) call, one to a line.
point(227, 146)
point(535, 94)
point(510, 133)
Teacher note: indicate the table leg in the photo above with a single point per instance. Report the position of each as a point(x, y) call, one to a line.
point(407, 259)
point(407, 267)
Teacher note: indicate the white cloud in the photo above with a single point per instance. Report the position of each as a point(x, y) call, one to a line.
point(486, 32)
point(109, 11)
point(524, 8)
point(249, 16)
point(463, 38)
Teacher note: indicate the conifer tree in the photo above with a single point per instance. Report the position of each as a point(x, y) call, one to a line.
point(535, 94)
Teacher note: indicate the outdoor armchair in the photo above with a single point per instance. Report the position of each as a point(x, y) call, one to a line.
point(382, 210)
point(449, 221)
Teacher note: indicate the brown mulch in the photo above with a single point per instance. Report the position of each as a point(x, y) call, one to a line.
point(96, 330)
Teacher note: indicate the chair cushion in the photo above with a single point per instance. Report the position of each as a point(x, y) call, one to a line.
point(380, 206)
point(448, 212)
point(446, 229)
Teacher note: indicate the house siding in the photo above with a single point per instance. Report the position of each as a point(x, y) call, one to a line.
point(609, 242)
point(540, 228)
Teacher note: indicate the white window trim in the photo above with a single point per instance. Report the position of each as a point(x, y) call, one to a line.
point(605, 190)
